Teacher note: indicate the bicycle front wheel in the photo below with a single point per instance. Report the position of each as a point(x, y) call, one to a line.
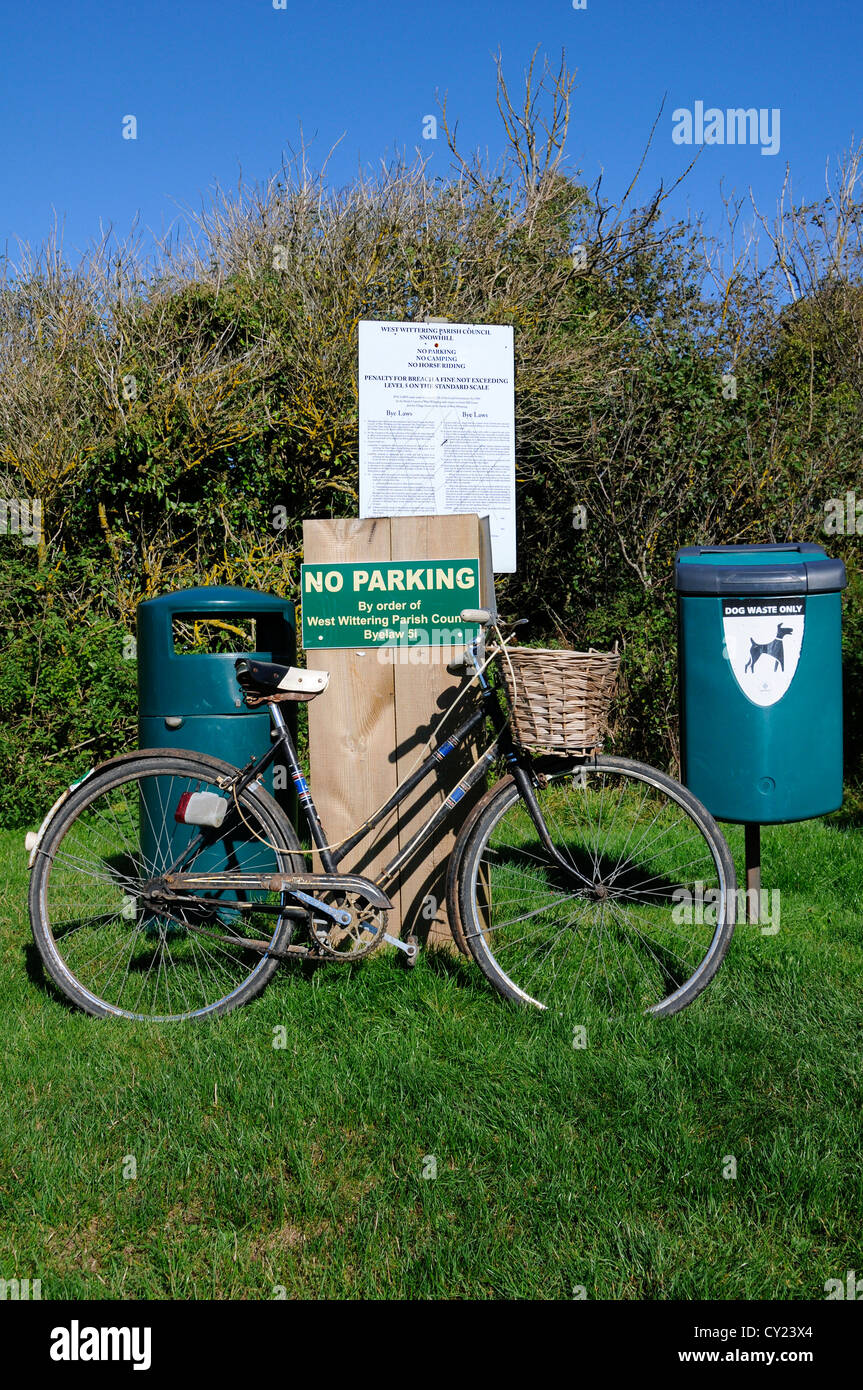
point(106, 945)
point(630, 910)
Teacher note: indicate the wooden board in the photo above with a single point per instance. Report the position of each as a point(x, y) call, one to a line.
point(352, 726)
point(370, 729)
point(422, 694)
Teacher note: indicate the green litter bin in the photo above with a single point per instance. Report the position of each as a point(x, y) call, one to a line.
point(189, 698)
point(760, 665)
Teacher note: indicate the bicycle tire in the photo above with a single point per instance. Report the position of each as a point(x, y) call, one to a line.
point(626, 905)
point(61, 884)
point(454, 870)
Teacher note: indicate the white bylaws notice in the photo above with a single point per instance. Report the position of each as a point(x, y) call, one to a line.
point(437, 424)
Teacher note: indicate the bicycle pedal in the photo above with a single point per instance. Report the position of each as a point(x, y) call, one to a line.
point(399, 944)
point(409, 948)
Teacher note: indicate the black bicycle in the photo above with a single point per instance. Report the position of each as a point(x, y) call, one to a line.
point(169, 885)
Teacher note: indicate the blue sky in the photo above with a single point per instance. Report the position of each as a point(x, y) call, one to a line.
point(218, 86)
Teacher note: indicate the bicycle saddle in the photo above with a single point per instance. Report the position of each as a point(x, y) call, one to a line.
point(267, 681)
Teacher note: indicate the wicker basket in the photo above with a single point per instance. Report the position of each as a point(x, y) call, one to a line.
point(561, 699)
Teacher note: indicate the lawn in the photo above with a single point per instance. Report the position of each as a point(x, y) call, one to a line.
point(415, 1137)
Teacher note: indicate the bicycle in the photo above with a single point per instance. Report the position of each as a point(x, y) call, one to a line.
point(169, 885)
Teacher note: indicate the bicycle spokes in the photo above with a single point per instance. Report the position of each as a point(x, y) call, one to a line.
point(107, 928)
point(617, 926)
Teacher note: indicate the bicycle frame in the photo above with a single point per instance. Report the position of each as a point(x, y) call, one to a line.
point(330, 859)
point(519, 765)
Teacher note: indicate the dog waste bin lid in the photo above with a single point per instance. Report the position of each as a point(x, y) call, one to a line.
point(765, 570)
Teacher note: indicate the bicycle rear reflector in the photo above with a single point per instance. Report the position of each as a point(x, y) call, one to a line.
point(201, 808)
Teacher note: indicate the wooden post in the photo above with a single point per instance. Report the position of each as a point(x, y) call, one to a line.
point(371, 727)
point(351, 727)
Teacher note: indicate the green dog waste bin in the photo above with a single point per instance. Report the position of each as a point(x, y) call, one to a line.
point(760, 657)
point(188, 695)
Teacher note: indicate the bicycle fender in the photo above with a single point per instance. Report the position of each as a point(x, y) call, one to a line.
point(33, 838)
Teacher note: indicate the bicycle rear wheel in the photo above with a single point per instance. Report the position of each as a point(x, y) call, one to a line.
point(108, 950)
point(635, 915)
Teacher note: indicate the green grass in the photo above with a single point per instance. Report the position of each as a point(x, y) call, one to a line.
point(302, 1166)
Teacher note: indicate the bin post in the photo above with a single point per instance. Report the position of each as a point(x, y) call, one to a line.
point(752, 845)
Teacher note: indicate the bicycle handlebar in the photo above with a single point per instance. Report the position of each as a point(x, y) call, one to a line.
point(483, 618)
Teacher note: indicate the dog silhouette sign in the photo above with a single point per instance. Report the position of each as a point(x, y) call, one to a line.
point(763, 640)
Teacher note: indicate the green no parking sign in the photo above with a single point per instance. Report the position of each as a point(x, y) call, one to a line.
point(397, 603)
